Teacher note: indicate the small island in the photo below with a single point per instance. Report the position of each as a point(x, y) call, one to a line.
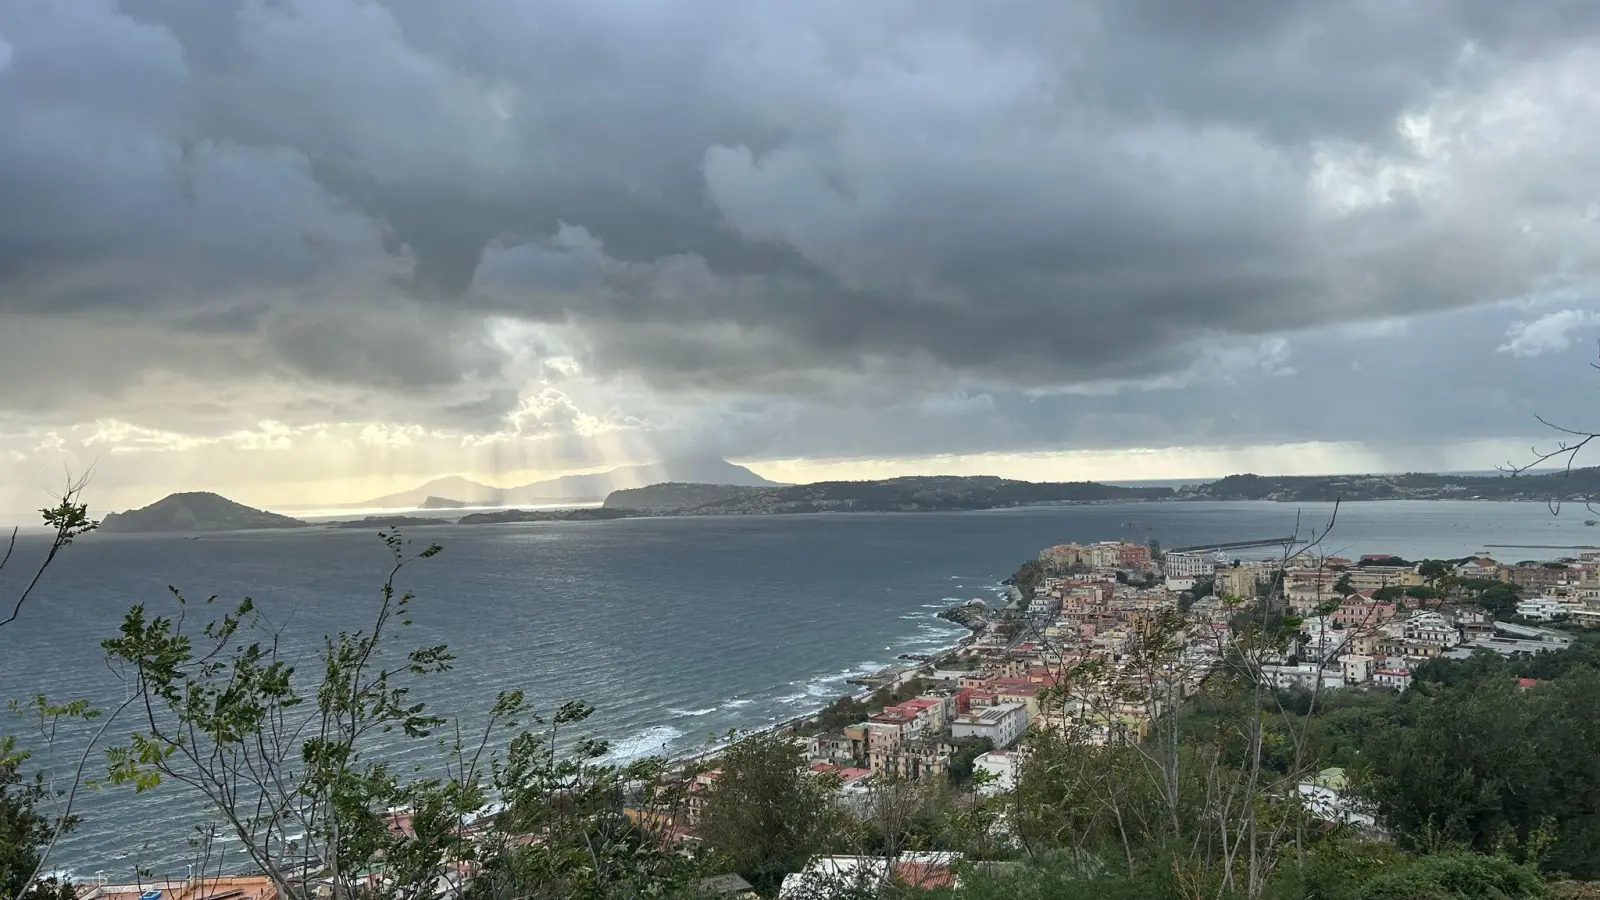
point(586, 514)
point(442, 503)
point(386, 522)
point(195, 511)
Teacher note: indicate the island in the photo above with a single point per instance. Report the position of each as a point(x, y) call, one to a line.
point(927, 493)
point(195, 511)
point(583, 514)
point(433, 502)
point(386, 522)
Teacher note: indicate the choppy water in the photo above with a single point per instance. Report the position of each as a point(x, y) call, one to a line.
point(678, 629)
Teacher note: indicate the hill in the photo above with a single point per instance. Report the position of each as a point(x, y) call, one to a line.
point(577, 488)
point(909, 494)
point(673, 495)
point(1579, 484)
point(195, 511)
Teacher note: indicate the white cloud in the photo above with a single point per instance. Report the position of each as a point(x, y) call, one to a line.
point(1547, 334)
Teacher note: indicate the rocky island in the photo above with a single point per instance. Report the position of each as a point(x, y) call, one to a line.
point(193, 512)
point(442, 503)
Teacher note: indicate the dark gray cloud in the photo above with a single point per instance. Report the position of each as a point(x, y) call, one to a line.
point(333, 208)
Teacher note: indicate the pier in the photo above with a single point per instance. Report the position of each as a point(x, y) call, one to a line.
point(1238, 545)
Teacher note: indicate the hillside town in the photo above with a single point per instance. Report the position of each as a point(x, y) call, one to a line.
point(1068, 649)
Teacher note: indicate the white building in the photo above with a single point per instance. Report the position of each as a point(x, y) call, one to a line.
point(1539, 608)
point(825, 876)
point(1357, 668)
point(1002, 723)
point(1324, 797)
point(1186, 565)
point(1002, 766)
point(1307, 676)
point(1431, 628)
point(1397, 678)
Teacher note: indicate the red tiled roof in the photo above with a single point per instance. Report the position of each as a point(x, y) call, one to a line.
point(924, 875)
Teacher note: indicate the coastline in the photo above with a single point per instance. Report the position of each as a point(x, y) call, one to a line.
point(864, 688)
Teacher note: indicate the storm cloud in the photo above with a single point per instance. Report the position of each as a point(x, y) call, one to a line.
point(818, 229)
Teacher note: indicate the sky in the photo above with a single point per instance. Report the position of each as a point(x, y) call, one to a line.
point(311, 251)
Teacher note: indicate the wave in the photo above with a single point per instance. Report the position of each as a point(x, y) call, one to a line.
point(735, 704)
point(649, 741)
point(694, 712)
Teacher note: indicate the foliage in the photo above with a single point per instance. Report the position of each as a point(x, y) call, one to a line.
point(286, 768)
point(767, 814)
point(600, 826)
point(26, 830)
point(1456, 876)
point(1028, 576)
point(967, 750)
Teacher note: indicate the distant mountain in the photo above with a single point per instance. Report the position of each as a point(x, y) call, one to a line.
point(465, 490)
point(911, 494)
point(578, 488)
point(195, 511)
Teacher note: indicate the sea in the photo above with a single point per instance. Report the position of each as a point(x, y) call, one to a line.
point(679, 630)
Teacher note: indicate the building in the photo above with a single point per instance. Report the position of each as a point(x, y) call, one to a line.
point(1431, 628)
point(1397, 678)
point(1236, 581)
point(1535, 576)
point(1357, 668)
point(1539, 608)
point(1371, 578)
point(1002, 723)
point(1134, 556)
point(827, 876)
point(1186, 565)
point(1324, 797)
point(1001, 766)
point(1305, 676)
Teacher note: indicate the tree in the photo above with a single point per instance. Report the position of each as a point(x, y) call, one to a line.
point(1343, 586)
point(766, 813)
point(225, 716)
point(28, 831)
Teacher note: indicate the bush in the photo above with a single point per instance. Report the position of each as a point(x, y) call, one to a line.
point(1457, 876)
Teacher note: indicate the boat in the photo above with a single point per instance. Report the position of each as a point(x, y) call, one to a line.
point(1590, 522)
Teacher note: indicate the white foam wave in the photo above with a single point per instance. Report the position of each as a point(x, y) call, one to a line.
point(735, 704)
point(651, 740)
point(693, 712)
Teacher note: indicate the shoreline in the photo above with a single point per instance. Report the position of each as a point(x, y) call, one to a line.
point(802, 721)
